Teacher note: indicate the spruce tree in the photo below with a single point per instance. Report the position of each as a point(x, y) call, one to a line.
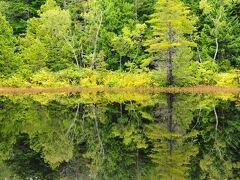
point(170, 24)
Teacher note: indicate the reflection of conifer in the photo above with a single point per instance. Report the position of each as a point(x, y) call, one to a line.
point(170, 151)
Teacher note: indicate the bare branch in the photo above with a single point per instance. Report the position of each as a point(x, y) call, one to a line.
point(96, 39)
point(216, 34)
point(72, 48)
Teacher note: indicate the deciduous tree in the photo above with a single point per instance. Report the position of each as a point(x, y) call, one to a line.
point(7, 46)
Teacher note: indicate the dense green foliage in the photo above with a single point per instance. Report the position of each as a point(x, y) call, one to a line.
point(7, 43)
point(177, 42)
point(119, 136)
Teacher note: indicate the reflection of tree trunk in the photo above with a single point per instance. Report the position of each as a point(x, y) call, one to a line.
point(198, 118)
point(170, 100)
point(137, 169)
point(121, 109)
point(170, 119)
point(216, 116)
point(216, 129)
point(74, 120)
point(97, 129)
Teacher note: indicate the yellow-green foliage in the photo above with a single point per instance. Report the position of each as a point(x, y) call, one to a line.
point(123, 79)
point(46, 78)
point(158, 78)
point(228, 79)
point(89, 78)
point(84, 77)
point(114, 79)
point(89, 81)
point(70, 76)
point(15, 81)
point(205, 73)
point(201, 73)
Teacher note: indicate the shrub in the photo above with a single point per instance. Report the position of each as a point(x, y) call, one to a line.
point(89, 81)
point(124, 79)
point(45, 78)
point(15, 81)
point(206, 73)
point(228, 79)
point(71, 75)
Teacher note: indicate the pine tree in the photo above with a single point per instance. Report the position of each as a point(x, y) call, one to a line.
point(170, 24)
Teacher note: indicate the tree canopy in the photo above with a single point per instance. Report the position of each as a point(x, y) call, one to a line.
point(174, 42)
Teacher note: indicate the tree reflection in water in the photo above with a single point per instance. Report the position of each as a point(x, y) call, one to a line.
point(119, 136)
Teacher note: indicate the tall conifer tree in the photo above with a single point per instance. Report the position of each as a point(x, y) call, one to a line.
point(170, 24)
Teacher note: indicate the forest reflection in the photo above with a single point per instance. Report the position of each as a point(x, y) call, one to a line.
point(119, 136)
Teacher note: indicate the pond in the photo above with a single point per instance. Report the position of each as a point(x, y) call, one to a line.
point(97, 135)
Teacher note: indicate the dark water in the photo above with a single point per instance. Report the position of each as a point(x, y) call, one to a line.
point(119, 136)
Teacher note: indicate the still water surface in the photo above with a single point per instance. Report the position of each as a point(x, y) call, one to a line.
point(119, 136)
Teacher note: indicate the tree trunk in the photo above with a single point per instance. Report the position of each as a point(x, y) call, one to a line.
point(73, 50)
point(64, 4)
point(170, 67)
point(96, 41)
point(136, 9)
point(120, 63)
point(170, 57)
point(216, 21)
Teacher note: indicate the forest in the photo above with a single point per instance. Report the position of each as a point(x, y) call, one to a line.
point(119, 89)
point(119, 43)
